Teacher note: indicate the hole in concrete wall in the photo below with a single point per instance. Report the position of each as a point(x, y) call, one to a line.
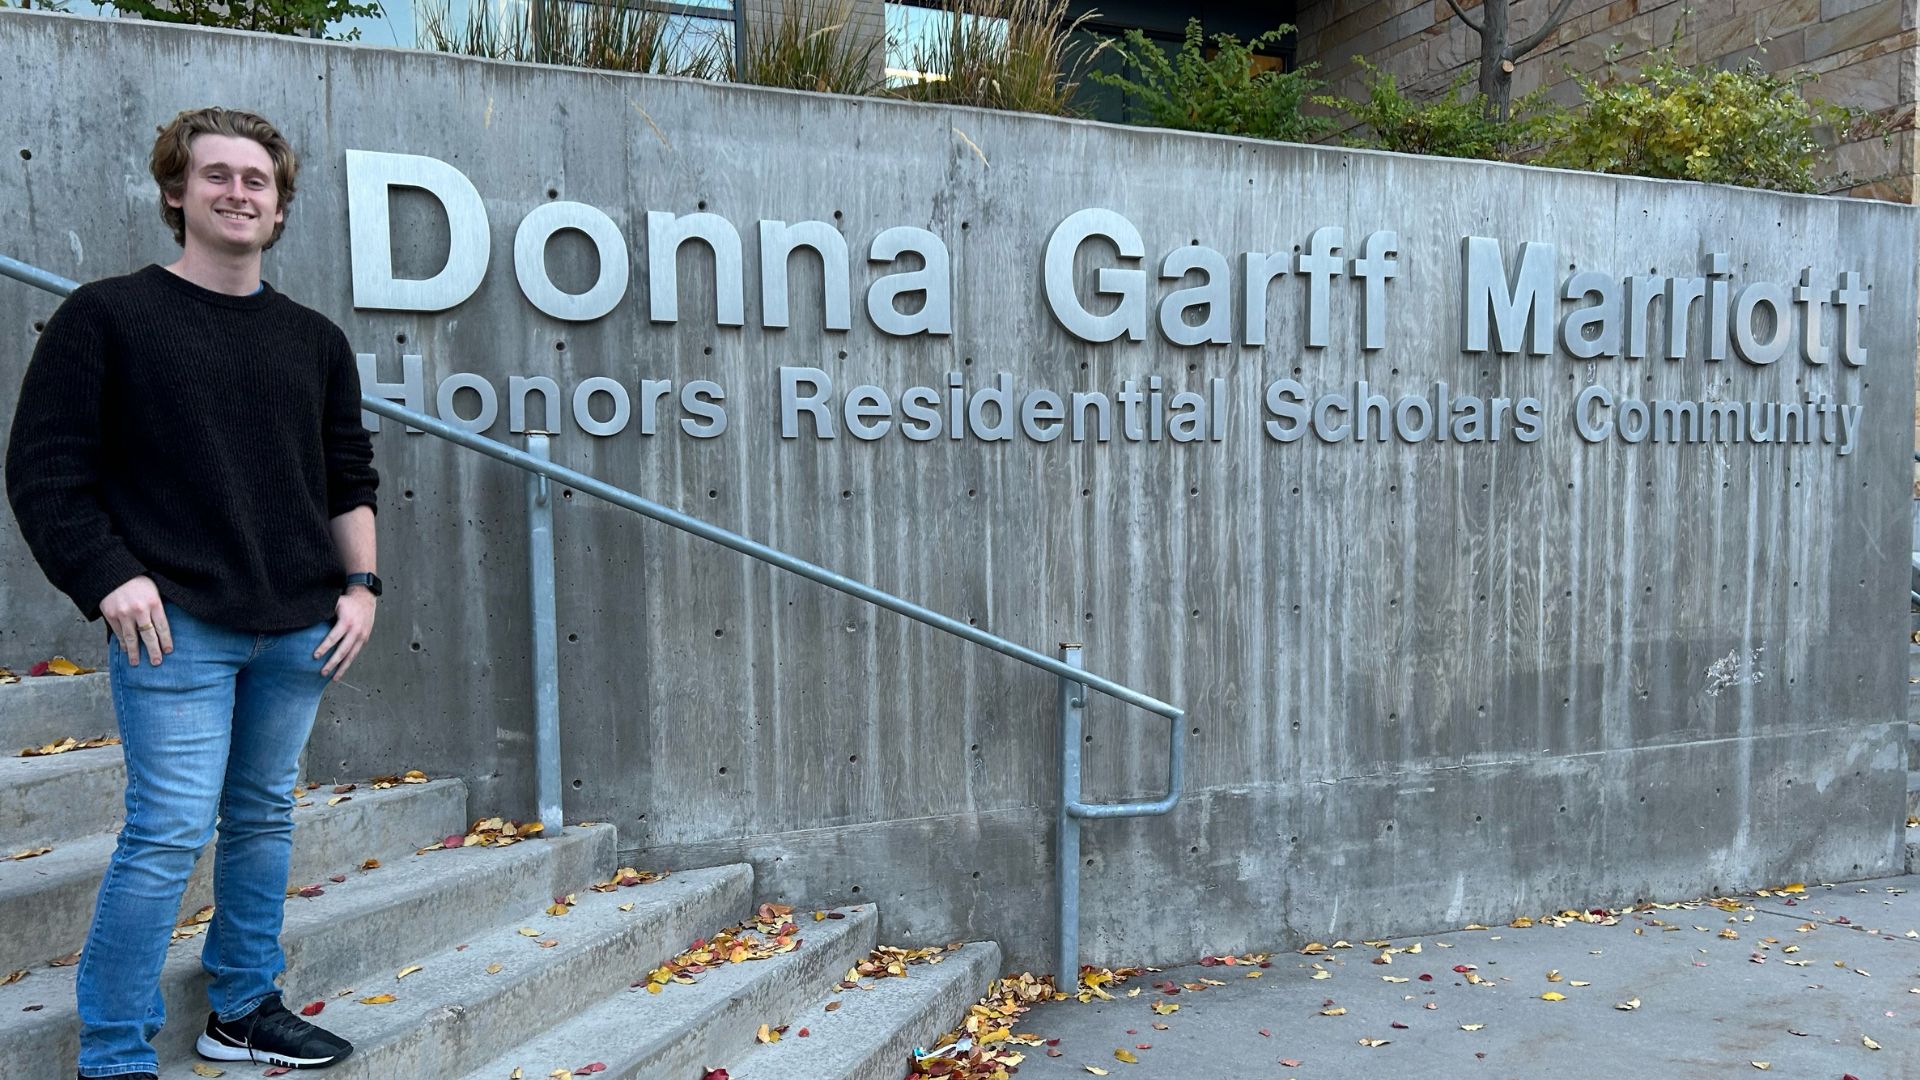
point(976, 874)
point(846, 494)
point(26, 154)
point(573, 637)
point(975, 748)
point(407, 494)
point(719, 633)
point(401, 338)
point(713, 493)
point(415, 646)
point(703, 205)
point(723, 770)
point(553, 193)
point(576, 785)
point(856, 888)
point(853, 759)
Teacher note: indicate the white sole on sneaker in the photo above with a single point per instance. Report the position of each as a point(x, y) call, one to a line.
point(215, 1050)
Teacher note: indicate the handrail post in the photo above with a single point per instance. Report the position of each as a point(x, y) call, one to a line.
point(1073, 703)
point(546, 648)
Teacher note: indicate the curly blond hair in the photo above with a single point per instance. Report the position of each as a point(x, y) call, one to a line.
point(173, 157)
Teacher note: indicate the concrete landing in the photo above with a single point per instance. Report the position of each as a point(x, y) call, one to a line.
point(1707, 1012)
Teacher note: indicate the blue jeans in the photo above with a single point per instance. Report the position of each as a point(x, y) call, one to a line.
point(217, 728)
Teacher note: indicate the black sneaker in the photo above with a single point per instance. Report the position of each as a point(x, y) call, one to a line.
point(271, 1035)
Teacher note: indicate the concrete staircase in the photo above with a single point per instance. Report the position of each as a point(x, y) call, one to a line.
point(487, 998)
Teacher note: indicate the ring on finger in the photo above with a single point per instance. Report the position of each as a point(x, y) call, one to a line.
point(144, 627)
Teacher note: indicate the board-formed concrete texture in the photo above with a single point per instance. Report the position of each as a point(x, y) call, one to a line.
point(1428, 682)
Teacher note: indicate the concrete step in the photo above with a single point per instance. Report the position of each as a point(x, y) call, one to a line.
point(35, 712)
point(873, 1033)
point(360, 931)
point(49, 899)
point(47, 800)
point(452, 1015)
point(675, 1034)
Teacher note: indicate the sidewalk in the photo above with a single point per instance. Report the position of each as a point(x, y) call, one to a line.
point(1707, 1010)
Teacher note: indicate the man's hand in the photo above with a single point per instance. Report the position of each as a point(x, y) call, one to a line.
point(352, 625)
point(136, 615)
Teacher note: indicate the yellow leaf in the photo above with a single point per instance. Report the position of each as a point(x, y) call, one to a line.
point(766, 1035)
point(1554, 975)
point(1338, 1010)
point(1471, 1027)
point(1761, 1065)
point(560, 1074)
point(337, 799)
point(626, 907)
point(1126, 1056)
point(515, 1075)
point(1165, 1008)
point(1392, 979)
point(1577, 982)
point(557, 909)
point(60, 665)
point(1869, 1043)
point(1795, 887)
point(493, 969)
point(1096, 1071)
point(1628, 1006)
point(378, 999)
point(1323, 974)
point(203, 1069)
point(408, 970)
point(525, 932)
point(1521, 923)
point(996, 1035)
point(1374, 1042)
point(1135, 992)
point(1553, 995)
point(1250, 975)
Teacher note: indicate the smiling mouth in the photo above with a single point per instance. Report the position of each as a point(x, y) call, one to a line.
point(234, 215)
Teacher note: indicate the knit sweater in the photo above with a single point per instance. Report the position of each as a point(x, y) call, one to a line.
point(202, 439)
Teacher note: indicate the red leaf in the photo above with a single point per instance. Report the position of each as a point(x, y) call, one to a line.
point(1464, 968)
point(277, 1070)
point(1143, 1046)
point(1399, 1025)
point(1053, 1042)
point(37, 670)
point(312, 891)
point(313, 1009)
point(337, 878)
point(598, 1066)
point(1290, 1063)
point(1208, 961)
point(803, 1033)
point(1263, 1032)
point(1426, 978)
point(452, 842)
point(715, 1074)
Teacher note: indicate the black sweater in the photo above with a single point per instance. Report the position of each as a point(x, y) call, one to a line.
point(202, 439)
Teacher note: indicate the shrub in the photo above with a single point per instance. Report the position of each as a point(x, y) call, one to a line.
point(308, 17)
point(1000, 54)
point(1741, 126)
point(607, 36)
point(813, 45)
point(1450, 125)
point(1225, 93)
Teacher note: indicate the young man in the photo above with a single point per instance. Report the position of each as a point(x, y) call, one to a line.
point(187, 462)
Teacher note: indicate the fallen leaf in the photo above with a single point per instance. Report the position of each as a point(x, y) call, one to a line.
point(528, 932)
point(1126, 1056)
point(1143, 1046)
point(1374, 1042)
point(1158, 1026)
point(1323, 974)
point(203, 1069)
point(1762, 1065)
point(766, 1035)
point(626, 907)
point(68, 960)
point(1553, 995)
point(1471, 1027)
point(1577, 982)
point(378, 999)
point(1165, 1008)
point(548, 944)
point(276, 1070)
point(23, 973)
point(558, 909)
point(1340, 1010)
point(338, 799)
point(1398, 1024)
point(337, 878)
point(408, 970)
point(312, 1009)
point(1290, 1063)
point(1869, 1043)
point(370, 864)
point(493, 969)
point(1095, 1070)
point(832, 1005)
point(29, 853)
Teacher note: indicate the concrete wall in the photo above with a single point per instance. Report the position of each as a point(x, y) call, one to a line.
point(1428, 684)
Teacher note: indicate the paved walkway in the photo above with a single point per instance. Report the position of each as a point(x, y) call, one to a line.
point(1706, 1009)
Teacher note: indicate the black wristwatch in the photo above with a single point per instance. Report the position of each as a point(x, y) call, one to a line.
point(371, 581)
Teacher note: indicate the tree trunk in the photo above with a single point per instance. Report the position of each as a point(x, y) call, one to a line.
point(1496, 67)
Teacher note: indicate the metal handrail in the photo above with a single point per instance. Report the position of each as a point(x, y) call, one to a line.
point(1073, 680)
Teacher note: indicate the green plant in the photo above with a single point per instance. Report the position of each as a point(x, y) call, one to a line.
point(1228, 93)
point(307, 17)
point(1000, 54)
point(1743, 126)
point(1449, 125)
point(813, 45)
point(611, 37)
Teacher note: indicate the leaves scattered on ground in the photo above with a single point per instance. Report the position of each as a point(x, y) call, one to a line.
point(489, 832)
point(29, 853)
point(983, 1046)
point(768, 934)
point(194, 924)
point(61, 746)
point(626, 877)
point(411, 776)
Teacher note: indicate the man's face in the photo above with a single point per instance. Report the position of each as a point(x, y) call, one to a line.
point(231, 203)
